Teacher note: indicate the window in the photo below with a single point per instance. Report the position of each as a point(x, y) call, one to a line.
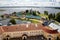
point(25, 32)
point(49, 39)
point(7, 36)
point(57, 38)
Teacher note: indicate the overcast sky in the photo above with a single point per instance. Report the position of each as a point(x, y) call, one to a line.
point(29, 2)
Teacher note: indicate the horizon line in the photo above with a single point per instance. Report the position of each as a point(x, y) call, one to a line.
point(28, 6)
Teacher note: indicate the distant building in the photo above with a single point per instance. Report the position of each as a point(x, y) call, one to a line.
point(26, 31)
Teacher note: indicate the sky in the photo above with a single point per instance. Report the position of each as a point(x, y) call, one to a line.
point(29, 3)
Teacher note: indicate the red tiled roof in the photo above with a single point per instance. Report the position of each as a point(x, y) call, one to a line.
point(1, 30)
point(27, 27)
point(50, 31)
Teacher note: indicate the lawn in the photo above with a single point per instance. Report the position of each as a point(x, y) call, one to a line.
point(43, 15)
point(34, 20)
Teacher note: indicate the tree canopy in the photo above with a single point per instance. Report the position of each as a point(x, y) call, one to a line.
point(46, 12)
point(58, 17)
point(13, 21)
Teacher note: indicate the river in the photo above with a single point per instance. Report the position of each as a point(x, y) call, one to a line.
point(41, 10)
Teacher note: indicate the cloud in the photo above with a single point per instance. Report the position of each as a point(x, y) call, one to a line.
point(27, 3)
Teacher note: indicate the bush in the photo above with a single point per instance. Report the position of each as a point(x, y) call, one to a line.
point(13, 21)
point(57, 17)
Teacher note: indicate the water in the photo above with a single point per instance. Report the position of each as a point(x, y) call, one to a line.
point(11, 10)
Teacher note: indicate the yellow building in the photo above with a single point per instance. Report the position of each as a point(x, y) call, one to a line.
point(28, 32)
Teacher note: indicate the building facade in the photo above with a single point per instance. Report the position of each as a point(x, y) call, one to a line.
point(28, 32)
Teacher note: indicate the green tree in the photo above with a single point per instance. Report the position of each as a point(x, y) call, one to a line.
point(31, 11)
point(13, 21)
point(34, 13)
point(38, 12)
point(46, 12)
point(53, 16)
point(50, 16)
point(27, 11)
point(14, 13)
point(58, 17)
point(2, 16)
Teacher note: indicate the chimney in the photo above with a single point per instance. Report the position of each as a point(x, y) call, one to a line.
point(27, 25)
point(36, 25)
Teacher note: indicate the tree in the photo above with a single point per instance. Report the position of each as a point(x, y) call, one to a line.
point(14, 13)
point(27, 11)
point(31, 11)
point(50, 16)
point(53, 15)
point(46, 12)
point(13, 21)
point(38, 12)
point(58, 17)
point(2, 16)
point(34, 13)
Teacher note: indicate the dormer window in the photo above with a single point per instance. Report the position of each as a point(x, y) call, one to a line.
point(27, 25)
point(36, 25)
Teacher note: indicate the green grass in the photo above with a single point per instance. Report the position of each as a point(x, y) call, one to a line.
point(34, 20)
point(56, 22)
point(43, 15)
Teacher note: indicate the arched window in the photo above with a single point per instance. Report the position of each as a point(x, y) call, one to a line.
point(57, 38)
point(42, 37)
point(49, 39)
point(24, 37)
point(7, 37)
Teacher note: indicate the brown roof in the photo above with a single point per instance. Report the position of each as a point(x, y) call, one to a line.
point(27, 27)
point(22, 27)
point(1, 30)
